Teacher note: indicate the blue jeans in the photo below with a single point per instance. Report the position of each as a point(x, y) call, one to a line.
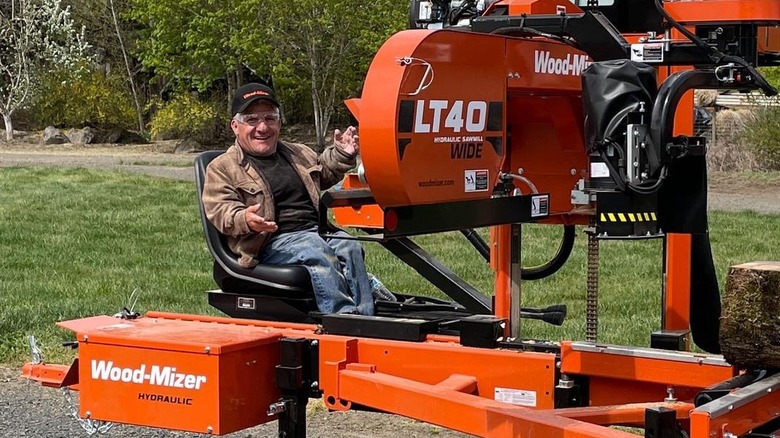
point(336, 267)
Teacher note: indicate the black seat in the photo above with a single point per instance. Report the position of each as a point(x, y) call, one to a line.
point(280, 281)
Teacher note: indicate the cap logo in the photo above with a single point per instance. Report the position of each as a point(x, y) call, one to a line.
point(255, 93)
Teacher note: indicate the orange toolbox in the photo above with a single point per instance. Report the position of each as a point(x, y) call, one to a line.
point(195, 376)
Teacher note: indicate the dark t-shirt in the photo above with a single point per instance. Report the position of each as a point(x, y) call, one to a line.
point(294, 209)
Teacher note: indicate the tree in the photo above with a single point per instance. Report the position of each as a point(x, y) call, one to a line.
point(195, 43)
point(126, 59)
point(34, 36)
point(329, 44)
point(112, 38)
point(324, 46)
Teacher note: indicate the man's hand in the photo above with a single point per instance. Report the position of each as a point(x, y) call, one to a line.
point(257, 223)
point(347, 141)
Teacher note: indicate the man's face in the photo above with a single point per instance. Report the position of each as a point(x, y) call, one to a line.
point(260, 139)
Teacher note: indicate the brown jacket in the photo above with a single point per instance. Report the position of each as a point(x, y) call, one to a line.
point(232, 184)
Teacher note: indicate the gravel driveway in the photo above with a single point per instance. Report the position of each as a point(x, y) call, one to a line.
point(29, 410)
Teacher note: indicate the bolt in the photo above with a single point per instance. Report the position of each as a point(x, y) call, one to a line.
point(558, 364)
point(275, 408)
point(88, 414)
point(573, 172)
point(315, 385)
point(209, 430)
point(520, 171)
point(207, 350)
point(314, 343)
point(85, 338)
point(565, 382)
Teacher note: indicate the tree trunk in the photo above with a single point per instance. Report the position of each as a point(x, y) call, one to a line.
point(318, 127)
point(9, 127)
point(232, 82)
point(130, 79)
point(750, 321)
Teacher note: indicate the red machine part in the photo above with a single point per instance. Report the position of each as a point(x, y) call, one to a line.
point(452, 114)
point(216, 375)
point(175, 374)
point(716, 10)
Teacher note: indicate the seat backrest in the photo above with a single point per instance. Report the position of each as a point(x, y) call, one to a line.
point(284, 278)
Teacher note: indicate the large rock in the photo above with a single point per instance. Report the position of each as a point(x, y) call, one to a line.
point(124, 136)
point(86, 135)
point(52, 135)
point(187, 145)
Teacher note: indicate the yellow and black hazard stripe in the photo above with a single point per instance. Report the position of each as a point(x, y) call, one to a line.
point(628, 217)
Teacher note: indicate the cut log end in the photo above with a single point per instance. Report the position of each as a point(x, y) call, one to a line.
point(750, 319)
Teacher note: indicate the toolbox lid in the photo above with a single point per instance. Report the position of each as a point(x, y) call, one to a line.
point(170, 334)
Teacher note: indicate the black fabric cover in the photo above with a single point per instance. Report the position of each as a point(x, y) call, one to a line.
point(610, 91)
point(683, 209)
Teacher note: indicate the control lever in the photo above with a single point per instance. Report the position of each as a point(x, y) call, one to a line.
point(554, 318)
point(553, 308)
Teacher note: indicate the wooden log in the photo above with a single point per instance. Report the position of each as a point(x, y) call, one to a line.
point(750, 319)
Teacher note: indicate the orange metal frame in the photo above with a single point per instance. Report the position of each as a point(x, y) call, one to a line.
point(677, 305)
point(438, 381)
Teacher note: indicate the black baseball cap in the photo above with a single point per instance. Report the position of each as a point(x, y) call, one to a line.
point(246, 94)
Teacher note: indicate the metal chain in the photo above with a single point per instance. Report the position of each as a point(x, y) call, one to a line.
point(592, 294)
point(90, 426)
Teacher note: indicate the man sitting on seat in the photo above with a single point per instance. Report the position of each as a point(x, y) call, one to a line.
point(263, 194)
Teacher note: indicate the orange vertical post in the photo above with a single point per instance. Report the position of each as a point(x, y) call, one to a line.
point(501, 259)
point(677, 302)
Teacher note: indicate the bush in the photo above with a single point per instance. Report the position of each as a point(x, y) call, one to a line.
point(184, 116)
point(74, 99)
point(729, 150)
point(762, 133)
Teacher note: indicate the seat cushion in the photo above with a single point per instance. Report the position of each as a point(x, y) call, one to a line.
point(295, 281)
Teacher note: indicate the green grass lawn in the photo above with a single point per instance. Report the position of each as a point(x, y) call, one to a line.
point(76, 243)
